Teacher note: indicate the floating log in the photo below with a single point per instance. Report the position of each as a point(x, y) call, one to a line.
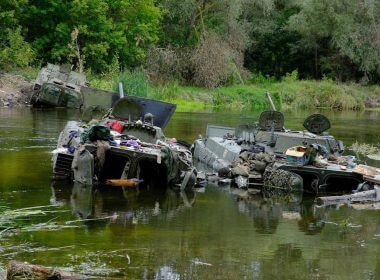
point(123, 182)
point(372, 195)
point(17, 270)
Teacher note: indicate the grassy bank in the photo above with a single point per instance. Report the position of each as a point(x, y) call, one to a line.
point(297, 94)
point(288, 93)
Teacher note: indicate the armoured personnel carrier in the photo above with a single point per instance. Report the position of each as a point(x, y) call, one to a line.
point(313, 154)
point(126, 143)
point(58, 86)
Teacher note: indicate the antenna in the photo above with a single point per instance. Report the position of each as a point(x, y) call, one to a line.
point(121, 91)
point(270, 101)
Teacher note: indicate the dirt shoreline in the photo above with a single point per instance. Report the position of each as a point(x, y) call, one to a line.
point(15, 90)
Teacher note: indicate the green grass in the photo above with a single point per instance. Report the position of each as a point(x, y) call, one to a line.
point(290, 93)
point(104, 81)
point(192, 106)
point(294, 94)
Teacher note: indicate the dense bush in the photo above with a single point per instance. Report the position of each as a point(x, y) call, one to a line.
point(15, 52)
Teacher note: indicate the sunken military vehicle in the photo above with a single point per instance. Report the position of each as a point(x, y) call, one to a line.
point(58, 86)
point(266, 154)
point(127, 143)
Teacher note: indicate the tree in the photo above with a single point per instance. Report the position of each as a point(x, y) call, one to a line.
point(195, 31)
point(348, 28)
point(274, 50)
point(9, 11)
point(105, 29)
point(185, 21)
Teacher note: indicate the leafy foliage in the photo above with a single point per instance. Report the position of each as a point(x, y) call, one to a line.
point(339, 39)
point(104, 28)
point(15, 51)
point(349, 29)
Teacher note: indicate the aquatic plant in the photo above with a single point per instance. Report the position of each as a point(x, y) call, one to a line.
point(15, 219)
point(367, 150)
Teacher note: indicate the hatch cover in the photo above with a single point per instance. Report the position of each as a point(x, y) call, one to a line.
point(316, 124)
point(136, 108)
point(269, 119)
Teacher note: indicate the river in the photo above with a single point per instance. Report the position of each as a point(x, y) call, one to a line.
point(210, 233)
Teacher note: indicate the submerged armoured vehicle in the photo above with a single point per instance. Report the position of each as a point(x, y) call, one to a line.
point(245, 152)
point(127, 143)
point(58, 86)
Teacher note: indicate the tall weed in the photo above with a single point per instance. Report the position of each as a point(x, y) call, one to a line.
point(258, 78)
point(168, 91)
point(134, 83)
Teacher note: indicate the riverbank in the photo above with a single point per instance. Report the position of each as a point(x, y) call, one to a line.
point(288, 93)
point(304, 94)
point(15, 90)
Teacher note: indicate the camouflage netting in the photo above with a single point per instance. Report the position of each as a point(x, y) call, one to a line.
point(260, 167)
point(278, 181)
point(251, 163)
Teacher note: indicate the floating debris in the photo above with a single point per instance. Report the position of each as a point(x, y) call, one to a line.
point(198, 262)
point(13, 220)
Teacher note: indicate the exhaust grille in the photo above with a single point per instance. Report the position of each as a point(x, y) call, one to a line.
point(62, 166)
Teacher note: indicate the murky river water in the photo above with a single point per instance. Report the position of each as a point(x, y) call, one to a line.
point(163, 234)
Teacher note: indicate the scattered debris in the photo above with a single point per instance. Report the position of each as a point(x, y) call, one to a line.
point(364, 149)
point(363, 196)
point(123, 182)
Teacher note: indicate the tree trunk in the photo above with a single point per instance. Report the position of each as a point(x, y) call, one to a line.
point(356, 197)
point(17, 270)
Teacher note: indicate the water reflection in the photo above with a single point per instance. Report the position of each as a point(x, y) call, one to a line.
point(268, 212)
point(127, 206)
point(288, 262)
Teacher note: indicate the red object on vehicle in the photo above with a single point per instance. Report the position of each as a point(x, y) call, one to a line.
point(116, 126)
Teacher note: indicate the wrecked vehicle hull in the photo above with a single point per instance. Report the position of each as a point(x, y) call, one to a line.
point(223, 147)
point(121, 146)
point(58, 86)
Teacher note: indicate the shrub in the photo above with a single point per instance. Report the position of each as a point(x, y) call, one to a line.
point(16, 52)
point(215, 62)
point(163, 64)
point(258, 78)
point(291, 77)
